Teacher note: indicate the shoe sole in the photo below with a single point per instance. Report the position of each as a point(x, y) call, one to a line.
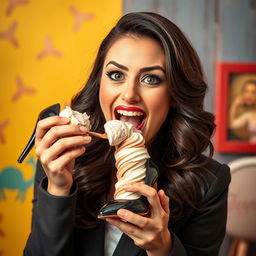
point(116, 216)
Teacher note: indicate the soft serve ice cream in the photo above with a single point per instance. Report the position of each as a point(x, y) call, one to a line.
point(131, 156)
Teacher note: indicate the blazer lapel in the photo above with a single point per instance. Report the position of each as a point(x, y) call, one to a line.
point(126, 247)
point(94, 245)
point(90, 241)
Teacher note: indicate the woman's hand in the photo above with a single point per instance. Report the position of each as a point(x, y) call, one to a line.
point(150, 233)
point(58, 143)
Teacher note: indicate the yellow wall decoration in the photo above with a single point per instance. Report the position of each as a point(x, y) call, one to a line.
point(46, 51)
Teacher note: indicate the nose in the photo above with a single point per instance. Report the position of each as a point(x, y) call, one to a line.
point(130, 93)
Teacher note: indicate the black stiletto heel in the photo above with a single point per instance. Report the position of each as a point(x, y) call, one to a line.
point(53, 110)
point(139, 206)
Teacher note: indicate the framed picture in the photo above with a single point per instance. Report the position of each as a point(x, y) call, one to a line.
point(235, 107)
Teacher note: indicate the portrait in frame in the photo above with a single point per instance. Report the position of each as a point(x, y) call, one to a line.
point(235, 107)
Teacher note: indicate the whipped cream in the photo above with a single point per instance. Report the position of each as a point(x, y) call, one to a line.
point(76, 117)
point(131, 156)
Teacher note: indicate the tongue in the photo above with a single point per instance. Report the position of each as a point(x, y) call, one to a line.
point(134, 120)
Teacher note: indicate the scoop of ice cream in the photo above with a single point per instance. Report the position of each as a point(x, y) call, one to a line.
point(76, 117)
point(117, 131)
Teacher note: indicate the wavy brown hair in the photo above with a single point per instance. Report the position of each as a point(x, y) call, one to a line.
point(180, 142)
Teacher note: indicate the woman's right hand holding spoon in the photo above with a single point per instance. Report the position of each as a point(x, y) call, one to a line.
point(58, 143)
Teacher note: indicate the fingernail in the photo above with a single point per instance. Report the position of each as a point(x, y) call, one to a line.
point(83, 129)
point(88, 138)
point(64, 119)
point(122, 213)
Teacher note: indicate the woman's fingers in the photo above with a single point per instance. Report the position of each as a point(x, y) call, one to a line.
point(138, 235)
point(45, 124)
point(148, 192)
point(129, 229)
point(135, 219)
point(144, 237)
point(61, 162)
point(151, 232)
point(58, 143)
point(164, 200)
point(60, 131)
point(57, 133)
point(147, 232)
point(62, 145)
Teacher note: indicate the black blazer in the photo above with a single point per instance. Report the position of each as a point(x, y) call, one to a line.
point(53, 233)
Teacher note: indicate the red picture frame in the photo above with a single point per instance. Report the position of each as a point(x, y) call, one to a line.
point(230, 81)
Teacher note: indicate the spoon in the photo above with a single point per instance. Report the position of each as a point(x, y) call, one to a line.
point(99, 135)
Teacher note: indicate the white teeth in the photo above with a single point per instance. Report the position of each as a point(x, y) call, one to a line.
point(129, 113)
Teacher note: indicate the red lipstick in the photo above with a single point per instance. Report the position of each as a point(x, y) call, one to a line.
point(130, 109)
point(126, 108)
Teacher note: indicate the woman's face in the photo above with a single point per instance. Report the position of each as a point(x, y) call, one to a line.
point(249, 94)
point(133, 85)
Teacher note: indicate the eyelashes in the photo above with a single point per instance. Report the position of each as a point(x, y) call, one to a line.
point(115, 75)
point(149, 79)
point(152, 79)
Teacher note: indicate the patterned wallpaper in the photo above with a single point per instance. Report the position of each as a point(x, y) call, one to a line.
point(46, 51)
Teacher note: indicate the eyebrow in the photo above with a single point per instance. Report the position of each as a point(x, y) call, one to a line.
point(146, 69)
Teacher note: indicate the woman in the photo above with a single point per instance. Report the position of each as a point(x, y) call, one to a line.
point(245, 104)
point(145, 62)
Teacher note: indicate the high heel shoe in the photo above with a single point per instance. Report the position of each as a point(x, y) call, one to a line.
point(53, 110)
point(139, 206)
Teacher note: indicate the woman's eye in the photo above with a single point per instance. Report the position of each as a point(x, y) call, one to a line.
point(152, 80)
point(115, 75)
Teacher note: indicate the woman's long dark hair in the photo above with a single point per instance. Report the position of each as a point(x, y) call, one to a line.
point(182, 139)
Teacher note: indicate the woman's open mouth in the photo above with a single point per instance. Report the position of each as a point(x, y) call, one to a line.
point(132, 115)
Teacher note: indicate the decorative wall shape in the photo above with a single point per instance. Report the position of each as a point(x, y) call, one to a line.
point(47, 49)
